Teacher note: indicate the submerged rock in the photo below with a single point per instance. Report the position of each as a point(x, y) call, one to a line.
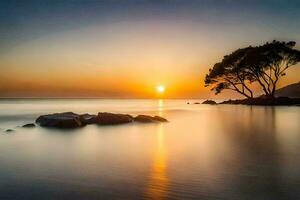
point(9, 130)
point(149, 119)
point(211, 102)
point(31, 125)
point(105, 118)
point(60, 120)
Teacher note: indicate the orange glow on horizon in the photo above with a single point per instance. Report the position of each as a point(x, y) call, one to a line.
point(80, 63)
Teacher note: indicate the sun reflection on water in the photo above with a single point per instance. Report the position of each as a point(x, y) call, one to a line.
point(157, 187)
point(160, 107)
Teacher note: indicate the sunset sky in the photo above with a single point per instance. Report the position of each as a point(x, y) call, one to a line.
point(125, 49)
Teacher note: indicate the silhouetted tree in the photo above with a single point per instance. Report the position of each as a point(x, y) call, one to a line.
point(262, 64)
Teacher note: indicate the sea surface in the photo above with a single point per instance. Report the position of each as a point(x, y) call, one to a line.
point(226, 152)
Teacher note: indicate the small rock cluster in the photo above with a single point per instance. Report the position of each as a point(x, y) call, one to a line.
point(73, 120)
point(211, 102)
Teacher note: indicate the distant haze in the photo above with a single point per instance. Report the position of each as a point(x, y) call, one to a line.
point(124, 49)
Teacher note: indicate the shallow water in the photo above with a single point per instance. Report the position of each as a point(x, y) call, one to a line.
point(204, 152)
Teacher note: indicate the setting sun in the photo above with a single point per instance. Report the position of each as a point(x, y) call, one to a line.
point(160, 89)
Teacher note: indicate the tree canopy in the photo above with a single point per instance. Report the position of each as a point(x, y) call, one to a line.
point(264, 64)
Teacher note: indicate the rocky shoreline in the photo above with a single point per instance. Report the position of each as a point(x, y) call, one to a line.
point(261, 101)
point(69, 120)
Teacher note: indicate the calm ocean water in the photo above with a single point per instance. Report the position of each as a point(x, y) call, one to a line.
point(204, 152)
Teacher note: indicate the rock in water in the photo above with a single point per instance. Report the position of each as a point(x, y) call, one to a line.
point(31, 125)
point(263, 101)
point(160, 119)
point(60, 120)
point(105, 118)
point(88, 119)
point(9, 130)
point(144, 119)
point(149, 119)
point(211, 102)
point(73, 120)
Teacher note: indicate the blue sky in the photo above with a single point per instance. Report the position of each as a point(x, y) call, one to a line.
point(24, 20)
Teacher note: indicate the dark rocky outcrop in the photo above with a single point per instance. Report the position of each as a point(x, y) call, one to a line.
point(211, 102)
point(196, 103)
point(73, 120)
point(31, 125)
point(144, 119)
point(9, 130)
point(292, 91)
point(263, 101)
point(105, 118)
point(160, 119)
point(89, 119)
point(149, 119)
point(60, 120)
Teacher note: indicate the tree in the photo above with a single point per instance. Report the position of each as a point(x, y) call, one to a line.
point(264, 64)
point(228, 74)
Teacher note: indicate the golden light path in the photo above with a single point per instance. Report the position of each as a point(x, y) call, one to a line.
point(158, 184)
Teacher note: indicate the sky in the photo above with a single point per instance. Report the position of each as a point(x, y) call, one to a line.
point(125, 48)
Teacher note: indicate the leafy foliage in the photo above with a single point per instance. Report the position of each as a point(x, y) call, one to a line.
point(263, 64)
